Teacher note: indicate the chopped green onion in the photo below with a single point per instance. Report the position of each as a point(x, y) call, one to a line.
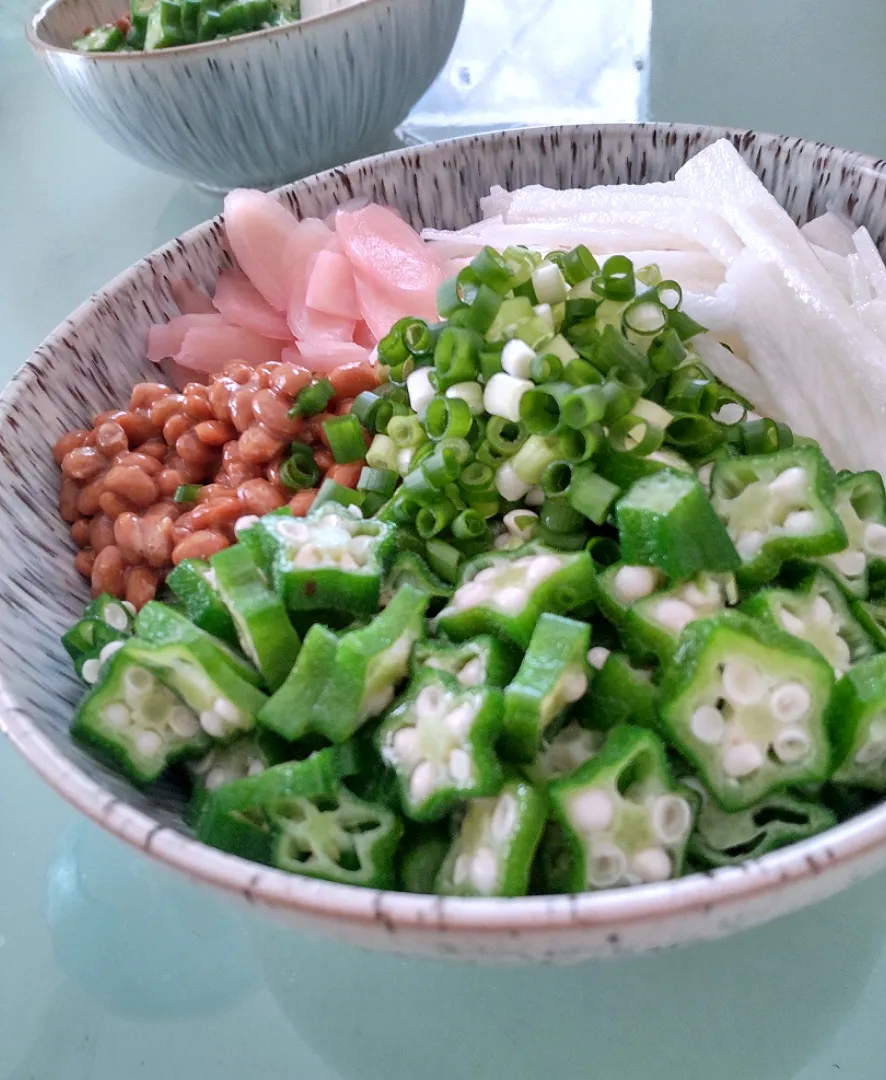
point(603, 550)
point(476, 479)
point(764, 436)
point(490, 359)
point(187, 493)
point(616, 278)
point(406, 431)
point(620, 398)
point(556, 478)
point(333, 492)
point(448, 418)
point(392, 350)
point(382, 453)
point(578, 265)
point(443, 559)
point(692, 389)
point(534, 456)
point(469, 392)
point(418, 337)
point(557, 516)
point(698, 435)
point(581, 373)
point(482, 311)
point(456, 358)
point(590, 494)
point(345, 437)
point(313, 399)
point(583, 406)
point(670, 294)
point(644, 317)
point(685, 326)
point(442, 466)
point(469, 525)
point(504, 436)
point(666, 352)
point(580, 445)
point(378, 481)
point(545, 368)
point(433, 519)
point(549, 284)
point(634, 434)
point(299, 470)
point(615, 351)
point(541, 407)
point(579, 309)
point(492, 270)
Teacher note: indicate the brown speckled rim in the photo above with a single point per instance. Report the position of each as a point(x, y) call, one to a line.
point(303, 26)
point(845, 853)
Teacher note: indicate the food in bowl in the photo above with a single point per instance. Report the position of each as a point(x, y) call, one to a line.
point(165, 24)
point(578, 617)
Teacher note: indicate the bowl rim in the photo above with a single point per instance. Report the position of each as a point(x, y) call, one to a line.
point(609, 910)
point(37, 43)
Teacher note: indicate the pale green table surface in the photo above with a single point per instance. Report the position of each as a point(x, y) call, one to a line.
point(112, 970)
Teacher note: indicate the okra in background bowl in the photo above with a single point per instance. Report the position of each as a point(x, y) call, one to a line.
point(93, 361)
point(259, 108)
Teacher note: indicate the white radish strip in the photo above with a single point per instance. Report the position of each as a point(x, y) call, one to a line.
point(859, 286)
point(830, 232)
point(837, 267)
point(535, 202)
point(873, 315)
point(870, 263)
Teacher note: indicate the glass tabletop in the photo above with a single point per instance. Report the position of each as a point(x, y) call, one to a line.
point(112, 968)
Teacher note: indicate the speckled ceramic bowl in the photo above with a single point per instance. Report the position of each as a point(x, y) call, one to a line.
point(91, 362)
point(260, 109)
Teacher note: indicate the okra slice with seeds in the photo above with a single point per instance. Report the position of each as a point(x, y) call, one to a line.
point(132, 717)
point(723, 839)
point(484, 660)
point(439, 739)
point(496, 843)
point(871, 616)
point(666, 521)
point(622, 820)
point(746, 704)
point(409, 568)
point(290, 711)
point(194, 583)
point(162, 625)
point(553, 674)
point(264, 631)
point(336, 837)
point(330, 560)
point(117, 614)
point(777, 507)
point(819, 614)
point(858, 726)
point(107, 622)
point(370, 663)
point(564, 752)
point(860, 504)
point(225, 763)
point(622, 693)
point(505, 594)
point(421, 857)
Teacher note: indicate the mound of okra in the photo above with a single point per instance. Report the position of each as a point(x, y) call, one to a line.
point(585, 622)
point(162, 24)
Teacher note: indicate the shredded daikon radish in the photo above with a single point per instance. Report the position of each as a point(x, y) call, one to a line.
point(829, 231)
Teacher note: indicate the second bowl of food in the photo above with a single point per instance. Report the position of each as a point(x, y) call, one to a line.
point(511, 589)
point(244, 91)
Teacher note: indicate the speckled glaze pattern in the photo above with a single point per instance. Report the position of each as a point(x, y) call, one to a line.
point(90, 363)
point(260, 109)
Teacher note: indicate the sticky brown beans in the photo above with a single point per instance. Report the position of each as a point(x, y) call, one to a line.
point(155, 448)
point(168, 481)
point(112, 505)
point(191, 472)
point(165, 407)
point(215, 515)
point(220, 399)
point(156, 541)
point(175, 427)
point(108, 572)
point(132, 484)
point(301, 502)
point(241, 409)
point(145, 394)
point(199, 545)
point(211, 492)
point(137, 426)
point(258, 445)
point(271, 410)
point(259, 497)
point(161, 509)
point(88, 500)
point(84, 463)
point(265, 372)
point(198, 408)
point(324, 460)
point(110, 439)
point(128, 536)
point(84, 562)
point(69, 500)
point(102, 532)
point(238, 372)
point(145, 462)
point(80, 532)
point(214, 432)
point(190, 449)
point(289, 380)
point(71, 440)
point(141, 586)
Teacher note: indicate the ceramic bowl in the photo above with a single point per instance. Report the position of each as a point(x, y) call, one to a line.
point(260, 109)
point(91, 362)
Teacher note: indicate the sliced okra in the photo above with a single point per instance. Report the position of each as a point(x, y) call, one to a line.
point(134, 718)
point(553, 674)
point(819, 614)
point(439, 739)
point(420, 860)
point(746, 704)
point(860, 504)
point(723, 839)
point(621, 819)
point(777, 507)
point(482, 660)
point(666, 521)
point(858, 726)
point(290, 711)
point(330, 560)
point(193, 581)
point(505, 594)
point(622, 693)
point(264, 631)
point(409, 568)
point(563, 752)
point(370, 663)
point(227, 762)
point(493, 852)
point(107, 622)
